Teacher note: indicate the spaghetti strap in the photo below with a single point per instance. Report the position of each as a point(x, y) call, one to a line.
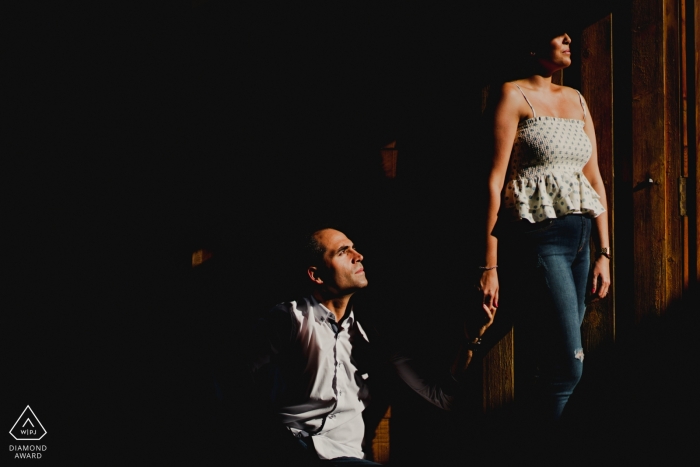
point(534, 115)
point(580, 98)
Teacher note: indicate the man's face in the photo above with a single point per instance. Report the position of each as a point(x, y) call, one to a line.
point(343, 272)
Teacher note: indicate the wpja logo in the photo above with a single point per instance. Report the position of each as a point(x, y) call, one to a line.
point(28, 428)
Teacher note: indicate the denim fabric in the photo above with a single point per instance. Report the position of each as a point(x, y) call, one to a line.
point(547, 266)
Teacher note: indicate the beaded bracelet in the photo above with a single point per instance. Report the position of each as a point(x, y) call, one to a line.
point(487, 269)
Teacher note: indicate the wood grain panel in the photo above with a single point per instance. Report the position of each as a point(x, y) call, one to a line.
point(656, 156)
point(382, 437)
point(696, 129)
point(597, 88)
point(673, 154)
point(498, 379)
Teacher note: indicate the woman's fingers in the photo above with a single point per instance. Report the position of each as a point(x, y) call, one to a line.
point(601, 280)
point(488, 285)
point(601, 285)
point(604, 286)
point(595, 283)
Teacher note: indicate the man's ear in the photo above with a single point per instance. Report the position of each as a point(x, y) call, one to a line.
point(314, 275)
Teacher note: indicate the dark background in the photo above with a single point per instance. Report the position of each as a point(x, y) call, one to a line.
point(139, 132)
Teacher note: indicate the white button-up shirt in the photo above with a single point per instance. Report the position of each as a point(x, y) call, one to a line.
point(317, 389)
point(317, 379)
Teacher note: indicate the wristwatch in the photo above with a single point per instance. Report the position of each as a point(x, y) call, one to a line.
point(605, 252)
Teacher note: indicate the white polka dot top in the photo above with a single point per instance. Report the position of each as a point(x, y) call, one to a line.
point(545, 166)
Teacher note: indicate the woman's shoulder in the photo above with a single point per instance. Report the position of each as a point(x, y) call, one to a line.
point(509, 93)
point(506, 100)
point(511, 89)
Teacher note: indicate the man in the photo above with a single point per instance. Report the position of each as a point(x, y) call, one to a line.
point(317, 363)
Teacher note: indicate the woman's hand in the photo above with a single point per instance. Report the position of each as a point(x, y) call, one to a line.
point(475, 326)
point(488, 286)
point(601, 278)
point(476, 323)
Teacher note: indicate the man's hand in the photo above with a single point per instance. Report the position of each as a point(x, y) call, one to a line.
point(478, 321)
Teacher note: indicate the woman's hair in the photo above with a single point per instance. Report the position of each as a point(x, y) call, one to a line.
point(536, 30)
point(530, 30)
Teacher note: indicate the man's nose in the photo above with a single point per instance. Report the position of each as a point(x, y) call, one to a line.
point(357, 256)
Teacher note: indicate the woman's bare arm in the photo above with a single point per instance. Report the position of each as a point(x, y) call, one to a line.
point(509, 110)
point(601, 268)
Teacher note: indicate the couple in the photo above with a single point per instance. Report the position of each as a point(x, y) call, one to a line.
point(545, 197)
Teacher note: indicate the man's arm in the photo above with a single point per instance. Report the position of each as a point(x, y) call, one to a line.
point(475, 325)
point(441, 388)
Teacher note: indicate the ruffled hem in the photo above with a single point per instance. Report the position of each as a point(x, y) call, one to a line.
point(552, 195)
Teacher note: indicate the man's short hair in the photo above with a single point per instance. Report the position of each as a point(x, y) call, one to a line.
point(310, 250)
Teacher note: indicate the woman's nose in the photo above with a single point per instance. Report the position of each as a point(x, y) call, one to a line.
point(567, 39)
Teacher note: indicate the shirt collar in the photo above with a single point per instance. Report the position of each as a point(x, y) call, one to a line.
point(323, 314)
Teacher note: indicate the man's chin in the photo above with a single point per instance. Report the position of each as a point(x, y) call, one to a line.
point(360, 286)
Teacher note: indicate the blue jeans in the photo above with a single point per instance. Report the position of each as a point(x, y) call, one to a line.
point(545, 287)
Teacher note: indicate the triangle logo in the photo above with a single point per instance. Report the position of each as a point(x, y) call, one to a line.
point(27, 427)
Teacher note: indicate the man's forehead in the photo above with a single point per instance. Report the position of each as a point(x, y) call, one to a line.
point(332, 239)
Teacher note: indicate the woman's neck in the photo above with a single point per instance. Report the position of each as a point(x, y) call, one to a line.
point(538, 82)
point(538, 75)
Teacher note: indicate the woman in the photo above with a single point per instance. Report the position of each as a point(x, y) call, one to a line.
point(544, 191)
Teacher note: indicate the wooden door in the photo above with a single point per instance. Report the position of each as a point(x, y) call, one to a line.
point(596, 78)
point(659, 166)
point(690, 76)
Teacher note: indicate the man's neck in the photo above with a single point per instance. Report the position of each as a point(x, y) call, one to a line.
point(337, 305)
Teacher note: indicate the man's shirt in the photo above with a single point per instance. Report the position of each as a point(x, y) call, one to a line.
point(316, 374)
point(315, 385)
